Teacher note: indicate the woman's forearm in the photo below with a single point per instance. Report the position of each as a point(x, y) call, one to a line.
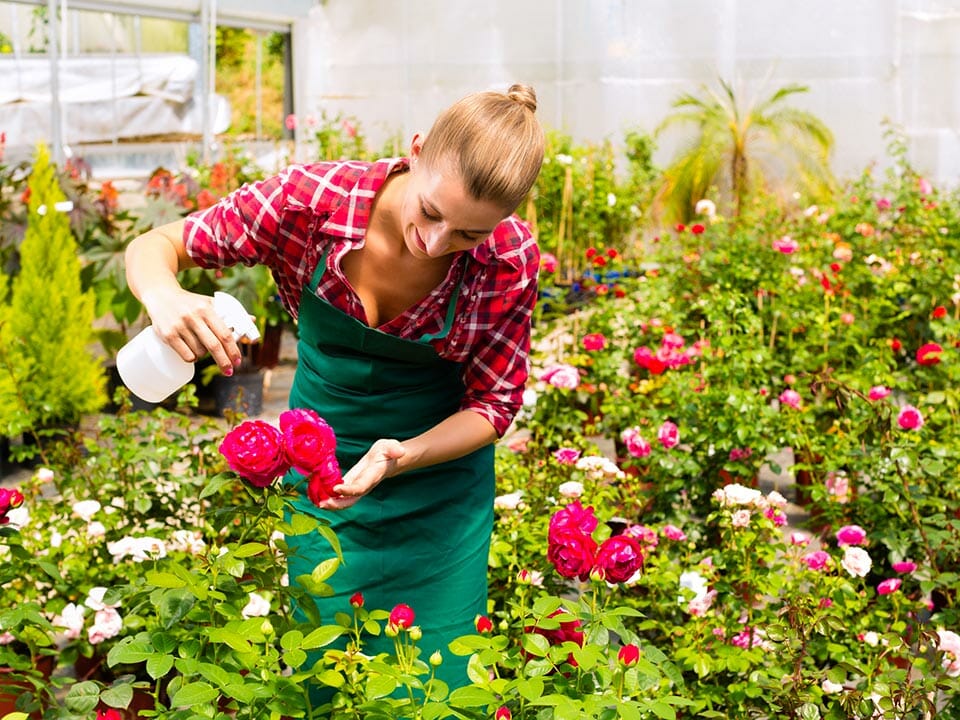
point(458, 435)
point(154, 259)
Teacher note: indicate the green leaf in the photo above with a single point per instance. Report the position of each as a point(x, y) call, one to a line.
point(295, 658)
point(164, 580)
point(322, 636)
point(248, 550)
point(291, 640)
point(471, 696)
point(323, 571)
point(159, 665)
point(229, 637)
point(216, 483)
point(300, 525)
point(83, 697)
point(331, 678)
point(129, 651)
point(117, 696)
point(163, 642)
point(380, 686)
point(196, 693)
point(530, 688)
point(534, 644)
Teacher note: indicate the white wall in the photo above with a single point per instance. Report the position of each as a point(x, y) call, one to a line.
point(602, 66)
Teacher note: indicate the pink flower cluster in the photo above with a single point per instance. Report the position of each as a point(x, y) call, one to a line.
point(673, 353)
point(562, 376)
point(668, 435)
point(260, 452)
point(574, 553)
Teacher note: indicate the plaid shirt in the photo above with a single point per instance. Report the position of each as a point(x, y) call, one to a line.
point(289, 221)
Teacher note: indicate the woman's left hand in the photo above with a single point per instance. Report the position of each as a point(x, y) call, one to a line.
point(378, 463)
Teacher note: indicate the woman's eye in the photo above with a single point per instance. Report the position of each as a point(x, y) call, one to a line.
point(428, 216)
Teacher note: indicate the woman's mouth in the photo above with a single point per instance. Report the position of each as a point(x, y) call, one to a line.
point(421, 246)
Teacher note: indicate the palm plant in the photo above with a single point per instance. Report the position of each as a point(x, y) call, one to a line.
point(742, 150)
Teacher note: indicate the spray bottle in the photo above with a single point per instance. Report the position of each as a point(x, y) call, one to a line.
point(153, 371)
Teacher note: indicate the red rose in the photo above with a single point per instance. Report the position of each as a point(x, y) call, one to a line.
point(254, 450)
point(929, 354)
point(629, 655)
point(939, 312)
point(568, 631)
point(619, 557)
point(483, 623)
point(574, 517)
point(323, 480)
point(307, 439)
point(594, 341)
point(503, 713)
point(697, 229)
point(571, 553)
point(402, 616)
point(896, 345)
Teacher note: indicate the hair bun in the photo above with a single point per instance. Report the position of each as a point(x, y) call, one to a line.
point(525, 95)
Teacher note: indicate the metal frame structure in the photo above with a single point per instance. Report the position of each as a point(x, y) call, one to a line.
point(275, 16)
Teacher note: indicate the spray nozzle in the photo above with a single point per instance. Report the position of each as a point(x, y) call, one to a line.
point(235, 316)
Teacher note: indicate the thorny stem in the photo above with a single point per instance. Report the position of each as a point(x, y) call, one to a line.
point(927, 545)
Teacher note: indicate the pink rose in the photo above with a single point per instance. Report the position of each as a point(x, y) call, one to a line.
point(548, 262)
point(636, 445)
point(924, 186)
point(308, 440)
point(672, 532)
point(619, 558)
point(668, 435)
point(402, 616)
point(904, 567)
point(851, 535)
point(910, 418)
point(562, 376)
point(254, 450)
point(816, 560)
point(571, 553)
point(883, 204)
point(566, 455)
point(594, 341)
point(890, 585)
point(878, 392)
point(791, 398)
point(786, 244)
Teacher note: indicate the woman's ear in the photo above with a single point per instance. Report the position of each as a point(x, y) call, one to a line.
point(416, 145)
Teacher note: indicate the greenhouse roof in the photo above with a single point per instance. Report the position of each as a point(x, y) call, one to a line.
point(255, 14)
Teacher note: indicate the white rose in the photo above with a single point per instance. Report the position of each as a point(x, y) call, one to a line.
point(831, 687)
point(571, 489)
point(257, 606)
point(510, 501)
point(856, 561)
point(86, 509)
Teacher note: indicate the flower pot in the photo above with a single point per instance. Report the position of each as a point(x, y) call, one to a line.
point(13, 689)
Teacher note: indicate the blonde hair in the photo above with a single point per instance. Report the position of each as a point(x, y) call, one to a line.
point(493, 140)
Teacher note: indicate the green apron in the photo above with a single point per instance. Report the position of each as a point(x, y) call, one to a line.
point(422, 537)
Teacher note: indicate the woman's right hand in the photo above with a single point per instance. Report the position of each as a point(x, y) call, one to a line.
point(188, 323)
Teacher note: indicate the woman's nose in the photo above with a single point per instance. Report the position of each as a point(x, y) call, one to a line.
point(437, 241)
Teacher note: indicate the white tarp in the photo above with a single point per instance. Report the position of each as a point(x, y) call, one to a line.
point(104, 98)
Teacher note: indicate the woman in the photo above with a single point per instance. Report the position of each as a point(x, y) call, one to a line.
point(413, 284)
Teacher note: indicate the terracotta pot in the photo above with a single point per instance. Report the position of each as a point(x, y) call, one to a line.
point(11, 690)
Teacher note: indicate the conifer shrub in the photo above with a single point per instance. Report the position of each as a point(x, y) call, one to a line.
point(49, 377)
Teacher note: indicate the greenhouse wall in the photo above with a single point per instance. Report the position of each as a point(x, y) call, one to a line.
point(601, 67)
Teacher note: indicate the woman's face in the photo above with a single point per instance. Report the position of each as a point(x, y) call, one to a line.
point(438, 216)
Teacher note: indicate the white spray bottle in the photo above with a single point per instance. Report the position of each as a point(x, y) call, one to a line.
point(153, 371)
